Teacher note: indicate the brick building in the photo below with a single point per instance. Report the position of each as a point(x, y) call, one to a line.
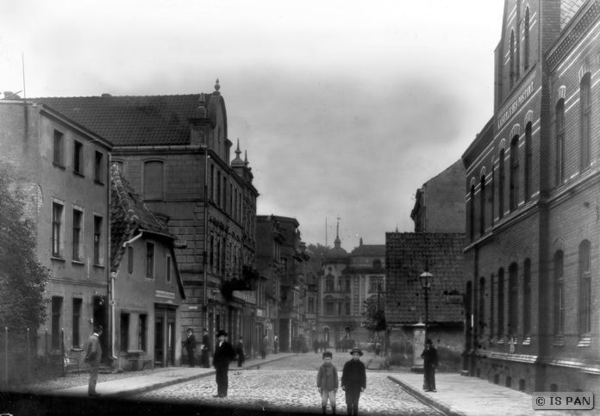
point(62, 168)
point(175, 150)
point(532, 263)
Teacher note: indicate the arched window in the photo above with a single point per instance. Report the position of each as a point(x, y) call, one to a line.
point(329, 284)
point(513, 74)
point(501, 180)
point(153, 181)
point(482, 206)
point(513, 298)
point(585, 289)
point(585, 97)
point(527, 297)
point(526, 41)
point(528, 162)
point(559, 295)
point(560, 141)
point(514, 174)
point(500, 303)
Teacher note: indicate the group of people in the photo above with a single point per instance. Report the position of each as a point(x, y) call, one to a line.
point(190, 347)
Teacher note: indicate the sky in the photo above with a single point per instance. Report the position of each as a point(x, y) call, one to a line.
point(345, 108)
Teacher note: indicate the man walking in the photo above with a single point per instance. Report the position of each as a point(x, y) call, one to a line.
point(190, 346)
point(205, 348)
point(93, 356)
point(430, 362)
point(224, 354)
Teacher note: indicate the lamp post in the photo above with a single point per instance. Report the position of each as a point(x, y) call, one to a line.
point(426, 280)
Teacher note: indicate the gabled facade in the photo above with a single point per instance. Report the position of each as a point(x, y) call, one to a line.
point(62, 167)
point(531, 282)
point(175, 150)
point(147, 291)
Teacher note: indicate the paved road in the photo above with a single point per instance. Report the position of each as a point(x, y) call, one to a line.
point(290, 385)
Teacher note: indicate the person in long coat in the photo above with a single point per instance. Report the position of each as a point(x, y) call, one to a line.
point(190, 346)
point(204, 350)
point(224, 354)
point(93, 356)
point(354, 380)
point(239, 351)
point(430, 362)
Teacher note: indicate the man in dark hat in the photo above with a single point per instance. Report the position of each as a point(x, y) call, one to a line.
point(354, 380)
point(430, 362)
point(190, 346)
point(204, 350)
point(224, 354)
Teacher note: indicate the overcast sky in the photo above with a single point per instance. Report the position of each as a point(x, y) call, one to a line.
point(345, 107)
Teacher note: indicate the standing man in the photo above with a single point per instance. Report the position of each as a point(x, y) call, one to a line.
point(239, 350)
point(430, 362)
point(224, 354)
point(354, 380)
point(93, 356)
point(190, 346)
point(205, 348)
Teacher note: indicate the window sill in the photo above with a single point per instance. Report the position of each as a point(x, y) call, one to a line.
point(99, 266)
point(59, 165)
point(76, 349)
point(77, 263)
point(526, 341)
point(54, 258)
point(98, 182)
point(81, 175)
point(584, 342)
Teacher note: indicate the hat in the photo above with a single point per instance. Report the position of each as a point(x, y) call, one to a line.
point(190, 330)
point(327, 354)
point(356, 350)
point(221, 332)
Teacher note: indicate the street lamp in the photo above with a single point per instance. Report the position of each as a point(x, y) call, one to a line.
point(426, 280)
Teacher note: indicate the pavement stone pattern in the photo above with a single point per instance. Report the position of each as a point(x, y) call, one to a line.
point(290, 385)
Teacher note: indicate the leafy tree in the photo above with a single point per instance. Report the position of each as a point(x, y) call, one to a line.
point(374, 314)
point(22, 277)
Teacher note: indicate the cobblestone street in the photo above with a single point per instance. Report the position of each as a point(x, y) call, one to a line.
point(290, 385)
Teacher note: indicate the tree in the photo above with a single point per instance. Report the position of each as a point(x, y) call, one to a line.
point(22, 277)
point(374, 314)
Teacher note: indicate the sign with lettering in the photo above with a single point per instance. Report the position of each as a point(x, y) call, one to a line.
point(514, 106)
point(164, 294)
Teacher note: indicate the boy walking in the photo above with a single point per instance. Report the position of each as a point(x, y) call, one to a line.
point(354, 380)
point(327, 382)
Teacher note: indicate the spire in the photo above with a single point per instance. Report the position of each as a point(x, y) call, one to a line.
point(237, 161)
point(337, 241)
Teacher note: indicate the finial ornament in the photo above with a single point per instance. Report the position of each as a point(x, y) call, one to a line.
point(217, 86)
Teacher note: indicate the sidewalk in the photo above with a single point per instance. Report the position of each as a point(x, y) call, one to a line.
point(471, 396)
point(160, 378)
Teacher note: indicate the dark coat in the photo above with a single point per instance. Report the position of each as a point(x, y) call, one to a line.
point(354, 375)
point(430, 357)
point(190, 342)
point(93, 351)
point(327, 377)
point(205, 342)
point(224, 354)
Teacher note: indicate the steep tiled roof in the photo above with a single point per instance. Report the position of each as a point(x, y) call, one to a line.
point(407, 255)
point(129, 215)
point(374, 250)
point(132, 120)
point(568, 8)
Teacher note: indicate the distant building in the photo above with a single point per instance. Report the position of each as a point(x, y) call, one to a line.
point(532, 198)
point(62, 167)
point(147, 291)
point(439, 203)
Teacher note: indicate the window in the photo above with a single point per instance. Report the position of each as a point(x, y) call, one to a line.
point(129, 259)
point(77, 219)
point(513, 298)
point(559, 295)
point(348, 285)
point(99, 167)
point(527, 298)
point(514, 174)
point(482, 206)
point(585, 96)
point(492, 305)
point(150, 260)
point(329, 306)
point(59, 148)
point(76, 322)
point(377, 264)
point(329, 284)
point(528, 162)
point(311, 305)
point(347, 307)
point(143, 333)
point(78, 157)
point(153, 181)
point(585, 289)
point(212, 182)
point(513, 75)
point(218, 200)
point(472, 213)
point(212, 251)
point(526, 41)
point(500, 305)
point(168, 268)
point(375, 284)
point(481, 311)
point(560, 141)
point(97, 240)
point(56, 321)
point(124, 332)
point(57, 212)
point(501, 180)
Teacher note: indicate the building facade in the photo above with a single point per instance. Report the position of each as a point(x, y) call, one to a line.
point(531, 278)
point(175, 151)
point(62, 167)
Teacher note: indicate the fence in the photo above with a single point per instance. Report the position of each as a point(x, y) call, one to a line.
point(23, 361)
